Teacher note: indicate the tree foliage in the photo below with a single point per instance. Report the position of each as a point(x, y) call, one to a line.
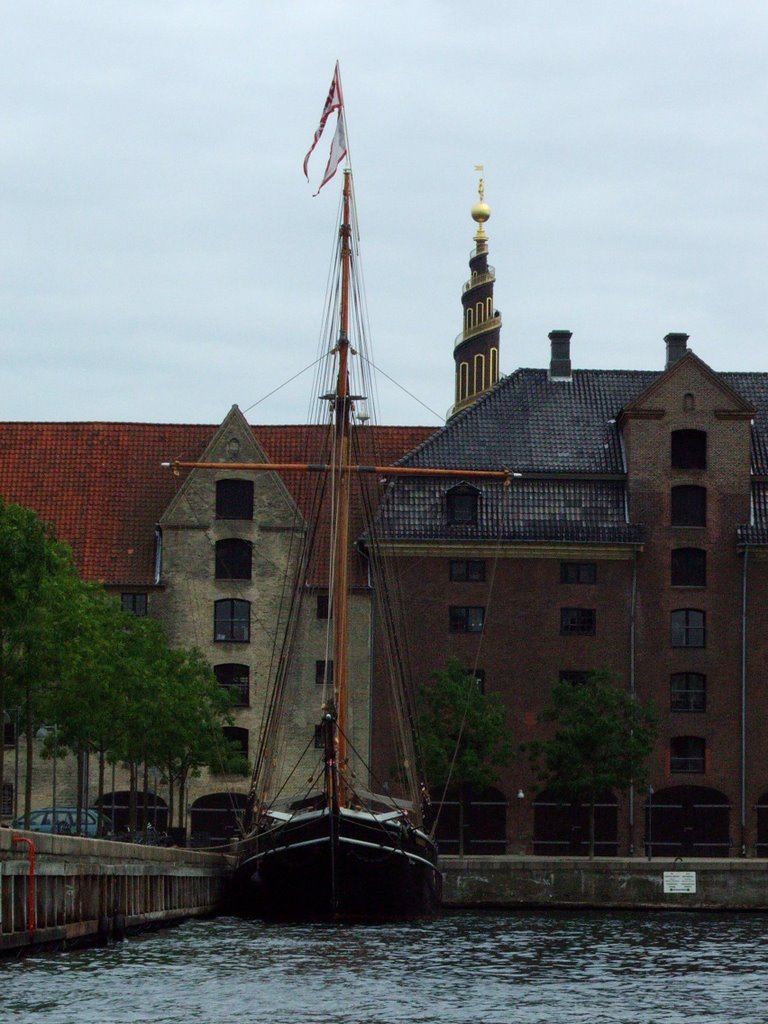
point(463, 733)
point(603, 737)
point(108, 680)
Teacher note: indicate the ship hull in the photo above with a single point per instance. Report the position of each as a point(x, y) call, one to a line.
point(338, 866)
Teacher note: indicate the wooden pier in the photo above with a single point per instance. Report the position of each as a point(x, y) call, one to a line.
point(66, 890)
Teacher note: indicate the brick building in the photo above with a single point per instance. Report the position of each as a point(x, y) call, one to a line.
point(632, 536)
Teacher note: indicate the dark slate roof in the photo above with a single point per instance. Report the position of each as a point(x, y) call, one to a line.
point(531, 424)
point(571, 511)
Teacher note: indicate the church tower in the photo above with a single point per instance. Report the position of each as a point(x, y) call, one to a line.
point(476, 350)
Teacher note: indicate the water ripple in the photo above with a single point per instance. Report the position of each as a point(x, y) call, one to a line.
point(495, 968)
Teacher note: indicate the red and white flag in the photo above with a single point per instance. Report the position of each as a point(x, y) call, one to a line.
point(334, 102)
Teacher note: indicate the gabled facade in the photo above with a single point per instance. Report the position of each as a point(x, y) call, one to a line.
point(630, 536)
point(211, 554)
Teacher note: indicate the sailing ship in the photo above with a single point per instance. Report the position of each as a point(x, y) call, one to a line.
point(333, 847)
point(327, 836)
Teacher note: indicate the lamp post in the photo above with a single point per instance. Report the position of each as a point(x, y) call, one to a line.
point(650, 823)
point(17, 712)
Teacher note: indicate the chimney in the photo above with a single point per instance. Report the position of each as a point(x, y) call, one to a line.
point(560, 361)
point(676, 348)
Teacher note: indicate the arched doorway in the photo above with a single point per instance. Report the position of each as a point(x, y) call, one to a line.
point(687, 821)
point(474, 824)
point(116, 806)
point(561, 826)
point(761, 848)
point(215, 818)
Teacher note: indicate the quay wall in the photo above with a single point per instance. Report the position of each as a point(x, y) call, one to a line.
point(627, 883)
point(89, 890)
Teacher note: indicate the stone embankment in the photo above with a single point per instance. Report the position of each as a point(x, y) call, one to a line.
point(629, 883)
point(63, 890)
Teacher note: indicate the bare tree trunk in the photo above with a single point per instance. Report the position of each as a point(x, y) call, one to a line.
point(100, 796)
point(133, 786)
point(170, 799)
point(30, 753)
point(145, 785)
point(79, 812)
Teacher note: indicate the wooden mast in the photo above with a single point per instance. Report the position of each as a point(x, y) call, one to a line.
point(342, 484)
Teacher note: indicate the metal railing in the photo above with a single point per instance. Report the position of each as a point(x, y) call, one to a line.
point(482, 328)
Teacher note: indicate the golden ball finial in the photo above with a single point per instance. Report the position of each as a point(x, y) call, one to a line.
point(481, 212)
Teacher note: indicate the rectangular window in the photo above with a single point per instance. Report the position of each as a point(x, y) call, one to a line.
point(688, 628)
point(576, 677)
point(232, 621)
point(323, 672)
point(577, 621)
point(463, 619)
point(689, 567)
point(466, 570)
point(9, 730)
point(689, 449)
point(688, 692)
point(578, 572)
point(322, 606)
point(134, 603)
point(234, 499)
point(236, 681)
point(687, 754)
point(688, 505)
point(6, 799)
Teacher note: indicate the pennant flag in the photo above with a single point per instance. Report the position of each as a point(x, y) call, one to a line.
point(334, 102)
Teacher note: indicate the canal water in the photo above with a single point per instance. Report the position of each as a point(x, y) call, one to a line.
point(494, 968)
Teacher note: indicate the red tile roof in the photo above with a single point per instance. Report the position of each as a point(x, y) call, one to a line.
point(101, 487)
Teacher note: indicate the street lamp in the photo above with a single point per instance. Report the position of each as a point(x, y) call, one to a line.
point(42, 733)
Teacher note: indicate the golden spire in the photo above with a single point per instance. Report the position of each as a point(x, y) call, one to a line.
point(481, 211)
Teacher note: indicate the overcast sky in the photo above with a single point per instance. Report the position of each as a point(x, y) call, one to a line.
point(163, 257)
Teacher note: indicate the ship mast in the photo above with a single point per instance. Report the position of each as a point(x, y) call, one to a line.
point(342, 402)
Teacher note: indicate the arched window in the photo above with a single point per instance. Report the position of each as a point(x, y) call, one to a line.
point(689, 567)
point(494, 366)
point(232, 621)
point(479, 313)
point(488, 308)
point(235, 679)
point(463, 505)
point(463, 381)
point(234, 499)
point(689, 449)
point(689, 402)
point(688, 628)
point(233, 559)
point(688, 691)
point(687, 754)
point(479, 372)
point(470, 318)
point(688, 505)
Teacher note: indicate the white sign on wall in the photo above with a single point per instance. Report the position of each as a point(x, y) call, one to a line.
point(679, 881)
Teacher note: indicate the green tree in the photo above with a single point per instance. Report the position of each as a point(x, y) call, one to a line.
point(27, 561)
point(463, 734)
point(602, 740)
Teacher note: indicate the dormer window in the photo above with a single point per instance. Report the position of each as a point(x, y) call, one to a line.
point(463, 505)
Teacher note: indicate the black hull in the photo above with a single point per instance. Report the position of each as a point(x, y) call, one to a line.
point(336, 867)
